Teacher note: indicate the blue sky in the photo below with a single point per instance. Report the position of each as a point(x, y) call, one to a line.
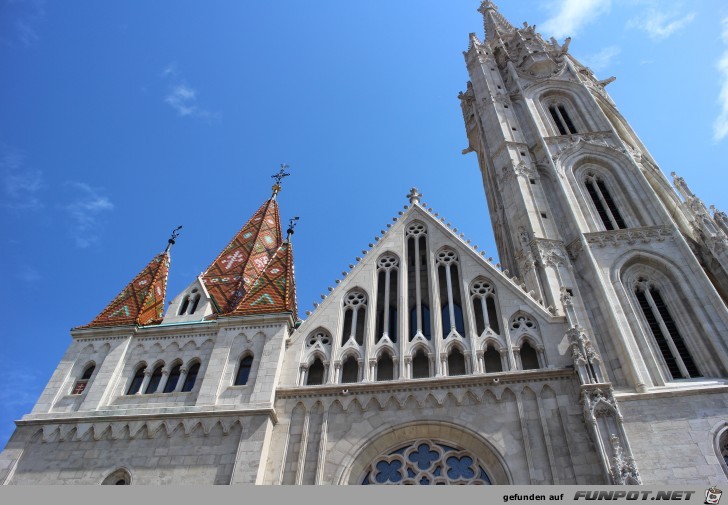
point(121, 120)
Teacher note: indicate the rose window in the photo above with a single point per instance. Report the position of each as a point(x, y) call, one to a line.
point(426, 462)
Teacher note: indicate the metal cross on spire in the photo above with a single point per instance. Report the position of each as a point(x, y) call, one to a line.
point(171, 241)
point(279, 177)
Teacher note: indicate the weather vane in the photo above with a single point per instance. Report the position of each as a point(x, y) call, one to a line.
point(279, 177)
point(171, 241)
point(291, 226)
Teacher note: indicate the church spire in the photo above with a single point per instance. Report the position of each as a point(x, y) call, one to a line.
point(141, 302)
point(495, 23)
point(245, 258)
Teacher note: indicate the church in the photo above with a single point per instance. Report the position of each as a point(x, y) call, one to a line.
point(595, 352)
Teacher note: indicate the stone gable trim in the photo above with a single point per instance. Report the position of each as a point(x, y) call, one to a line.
point(119, 416)
point(134, 427)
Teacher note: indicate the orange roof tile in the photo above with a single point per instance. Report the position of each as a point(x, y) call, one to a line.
point(141, 302)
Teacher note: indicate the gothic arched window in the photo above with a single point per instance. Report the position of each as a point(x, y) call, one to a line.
point(191, 378)
point(387, 294)
point(492, 360)
point(81, 383)
point(355, 312)
point(155, 380)
point(173, 378)
point(456, 362)
point(450, 297)
point(136, 382)
point(529, 357)
point(350, 370)
point(669, 341)
point(604, 203)
point(385, 367)
point(420, 365)
point(315, 375)
point(482, 295)
point(246, 364)
point(418, 281)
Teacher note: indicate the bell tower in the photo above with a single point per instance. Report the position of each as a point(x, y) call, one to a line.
point(585, 218)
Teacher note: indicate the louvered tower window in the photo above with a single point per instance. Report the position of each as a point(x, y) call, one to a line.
point(667, 336)
point(604, 203)
point(562, 120)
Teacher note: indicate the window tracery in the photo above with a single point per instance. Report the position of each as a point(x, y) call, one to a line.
point(387, 291)
point(664, 330)
point(426, 462)
point(453, 322)
point(418, 282)
point(604, 203)
point(355, 309)
point(482, 295)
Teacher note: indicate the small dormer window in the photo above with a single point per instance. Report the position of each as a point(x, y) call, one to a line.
point(189, 303)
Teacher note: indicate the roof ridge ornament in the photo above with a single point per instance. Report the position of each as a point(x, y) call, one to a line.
point(414, 196)
point(173, 238)
point(291, 227)
point(278, 178)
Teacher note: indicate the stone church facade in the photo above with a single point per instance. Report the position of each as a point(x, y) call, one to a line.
point(595, 352)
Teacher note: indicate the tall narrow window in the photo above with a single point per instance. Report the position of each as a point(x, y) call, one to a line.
point(420, 365)
point(482, 295)
point(81, 383)
point(191, 378)
point(173, 379)
point(604, 203)
point(355, 311)
point(136, 382)
point(562, 120)
point(456, 362)
point(315, 375)
point(492, 360)
point(387, 273)
point(155, 380)
point(529, 357)
point(450, 298)
point(418, 284)
point(184, 305)
point(669, 341)
point(246, 364)
point(350, 370)
point(385, 367)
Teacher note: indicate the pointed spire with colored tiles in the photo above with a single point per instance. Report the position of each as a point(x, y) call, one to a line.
point(274, 291)
point(231, 275)
point(141, 302)
point(495, 23)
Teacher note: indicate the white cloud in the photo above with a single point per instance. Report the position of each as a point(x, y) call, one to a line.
point(660, 23)
point(85, 212)
point(21, 185)
point(720, 126)
point(572, 15)
point(603, 58)
point(183, 98)
point(28, 274)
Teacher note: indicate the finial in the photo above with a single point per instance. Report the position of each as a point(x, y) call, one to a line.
point(291, 226)
point(414, 196)
point(171, 241)
point(279, 177)
point(487, 5)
